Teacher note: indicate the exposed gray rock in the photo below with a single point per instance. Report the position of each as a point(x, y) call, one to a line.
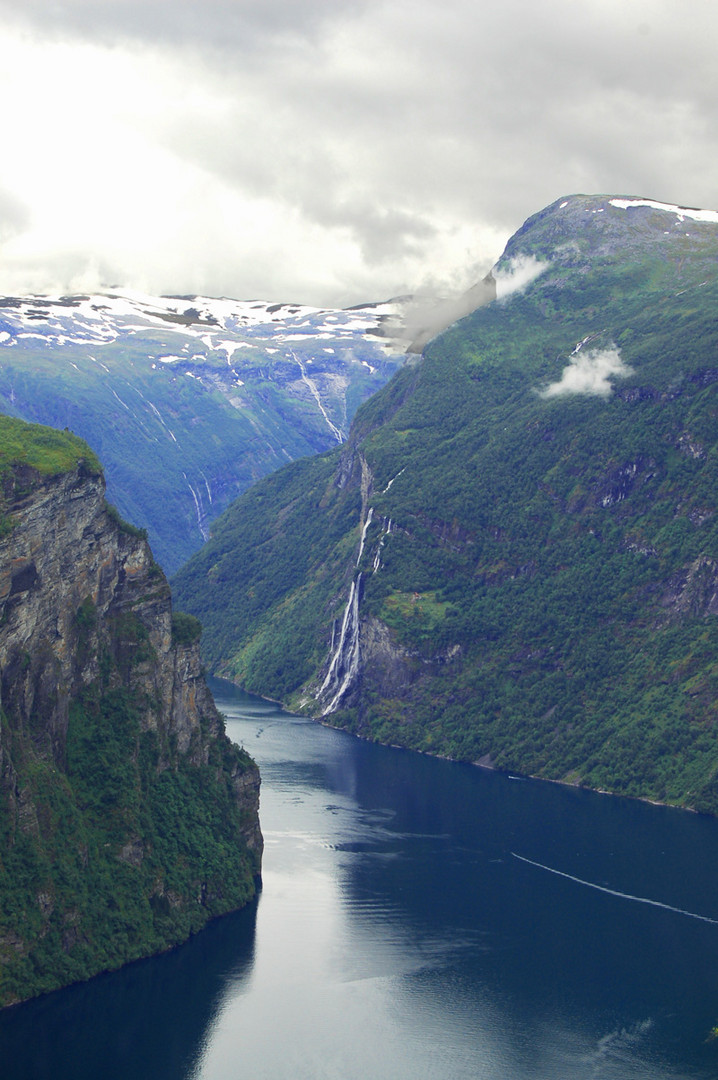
point(85, 612)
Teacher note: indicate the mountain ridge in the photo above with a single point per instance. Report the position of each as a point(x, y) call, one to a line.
point(512, 557)
point(189, 400)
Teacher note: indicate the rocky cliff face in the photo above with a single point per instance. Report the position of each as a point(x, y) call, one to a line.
point(127, 818)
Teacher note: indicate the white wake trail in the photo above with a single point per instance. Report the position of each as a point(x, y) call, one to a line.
point(615, 892)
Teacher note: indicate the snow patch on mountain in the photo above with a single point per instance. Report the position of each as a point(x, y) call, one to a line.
point(218, 324)
point(681, 211)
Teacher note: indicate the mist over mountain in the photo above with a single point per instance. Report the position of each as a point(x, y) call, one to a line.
point(514, 558)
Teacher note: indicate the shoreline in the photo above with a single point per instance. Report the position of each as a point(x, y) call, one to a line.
point(480, 763)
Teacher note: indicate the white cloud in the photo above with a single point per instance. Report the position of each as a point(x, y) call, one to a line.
point(589, 373)
point(516, 274)
point(332, 152)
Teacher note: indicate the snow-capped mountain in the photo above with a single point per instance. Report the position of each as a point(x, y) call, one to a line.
point(190, 399)
point(206, 324)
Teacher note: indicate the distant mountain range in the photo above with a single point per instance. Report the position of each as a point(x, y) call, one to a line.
point(188, 400)
point(514, 558)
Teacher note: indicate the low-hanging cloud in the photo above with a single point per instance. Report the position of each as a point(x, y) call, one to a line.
point(430, 313)
point(427, 312)
point(589, 373)
point(516, 274)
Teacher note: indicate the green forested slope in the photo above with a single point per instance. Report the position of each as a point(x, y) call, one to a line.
point(538, 584)
point(41, 448)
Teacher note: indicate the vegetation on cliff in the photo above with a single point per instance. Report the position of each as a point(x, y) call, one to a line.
point(537, 583)
point(122, 857)
point(127, 818)
point(43, 449)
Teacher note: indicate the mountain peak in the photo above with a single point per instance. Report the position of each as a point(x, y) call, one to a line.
point(580, 229)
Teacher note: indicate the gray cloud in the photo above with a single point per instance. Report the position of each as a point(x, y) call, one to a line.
point(219, 25)
point(385, 146)
point(431, 313)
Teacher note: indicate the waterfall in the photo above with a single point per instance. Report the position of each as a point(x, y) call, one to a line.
point(377, 557)
point(344, 664)
point(345, 651)
point(199, 510)
point(367, 523)
point(315, 394)
point(393, 479)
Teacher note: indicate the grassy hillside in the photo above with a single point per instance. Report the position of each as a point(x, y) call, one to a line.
point(538, 583)
point(50, 452)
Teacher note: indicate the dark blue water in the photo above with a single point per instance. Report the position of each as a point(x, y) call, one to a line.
point(401, 933)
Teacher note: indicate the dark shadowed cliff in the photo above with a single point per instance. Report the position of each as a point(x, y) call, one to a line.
point(127, 818)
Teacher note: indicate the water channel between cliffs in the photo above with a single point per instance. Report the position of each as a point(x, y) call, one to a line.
point(418, 919)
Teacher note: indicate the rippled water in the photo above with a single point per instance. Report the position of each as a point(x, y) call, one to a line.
point(418, 919)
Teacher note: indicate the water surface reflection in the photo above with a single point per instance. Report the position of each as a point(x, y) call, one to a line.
point(399, 936)
point(147, 1021)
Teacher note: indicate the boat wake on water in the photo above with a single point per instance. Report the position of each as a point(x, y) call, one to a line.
point(615, 892)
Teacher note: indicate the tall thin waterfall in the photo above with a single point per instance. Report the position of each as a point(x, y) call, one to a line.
point(344, 664)
point(377, 558)
point(345, 649)
point(367, 523)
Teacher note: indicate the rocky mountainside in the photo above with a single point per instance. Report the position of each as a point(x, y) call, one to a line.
point(514, 558)
point(127, 818)
point(189, 400)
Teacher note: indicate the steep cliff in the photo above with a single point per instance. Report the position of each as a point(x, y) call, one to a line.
point(127, 818)
point(512, 560)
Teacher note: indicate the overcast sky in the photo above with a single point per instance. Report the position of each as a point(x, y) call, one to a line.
point(332, 151)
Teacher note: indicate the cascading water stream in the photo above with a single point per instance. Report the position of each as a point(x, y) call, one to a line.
point(199, 510)
point(344, 663)
point(315, 394)
point(367, 523)
point(345, 652)
point(377, 558)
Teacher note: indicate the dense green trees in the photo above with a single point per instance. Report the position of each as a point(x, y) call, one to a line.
point(550, 574)
point(127, 817)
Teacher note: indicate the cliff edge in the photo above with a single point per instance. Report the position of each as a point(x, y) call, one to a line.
point(127, 817)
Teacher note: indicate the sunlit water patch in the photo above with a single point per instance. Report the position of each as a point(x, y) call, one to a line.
point(399, 935)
